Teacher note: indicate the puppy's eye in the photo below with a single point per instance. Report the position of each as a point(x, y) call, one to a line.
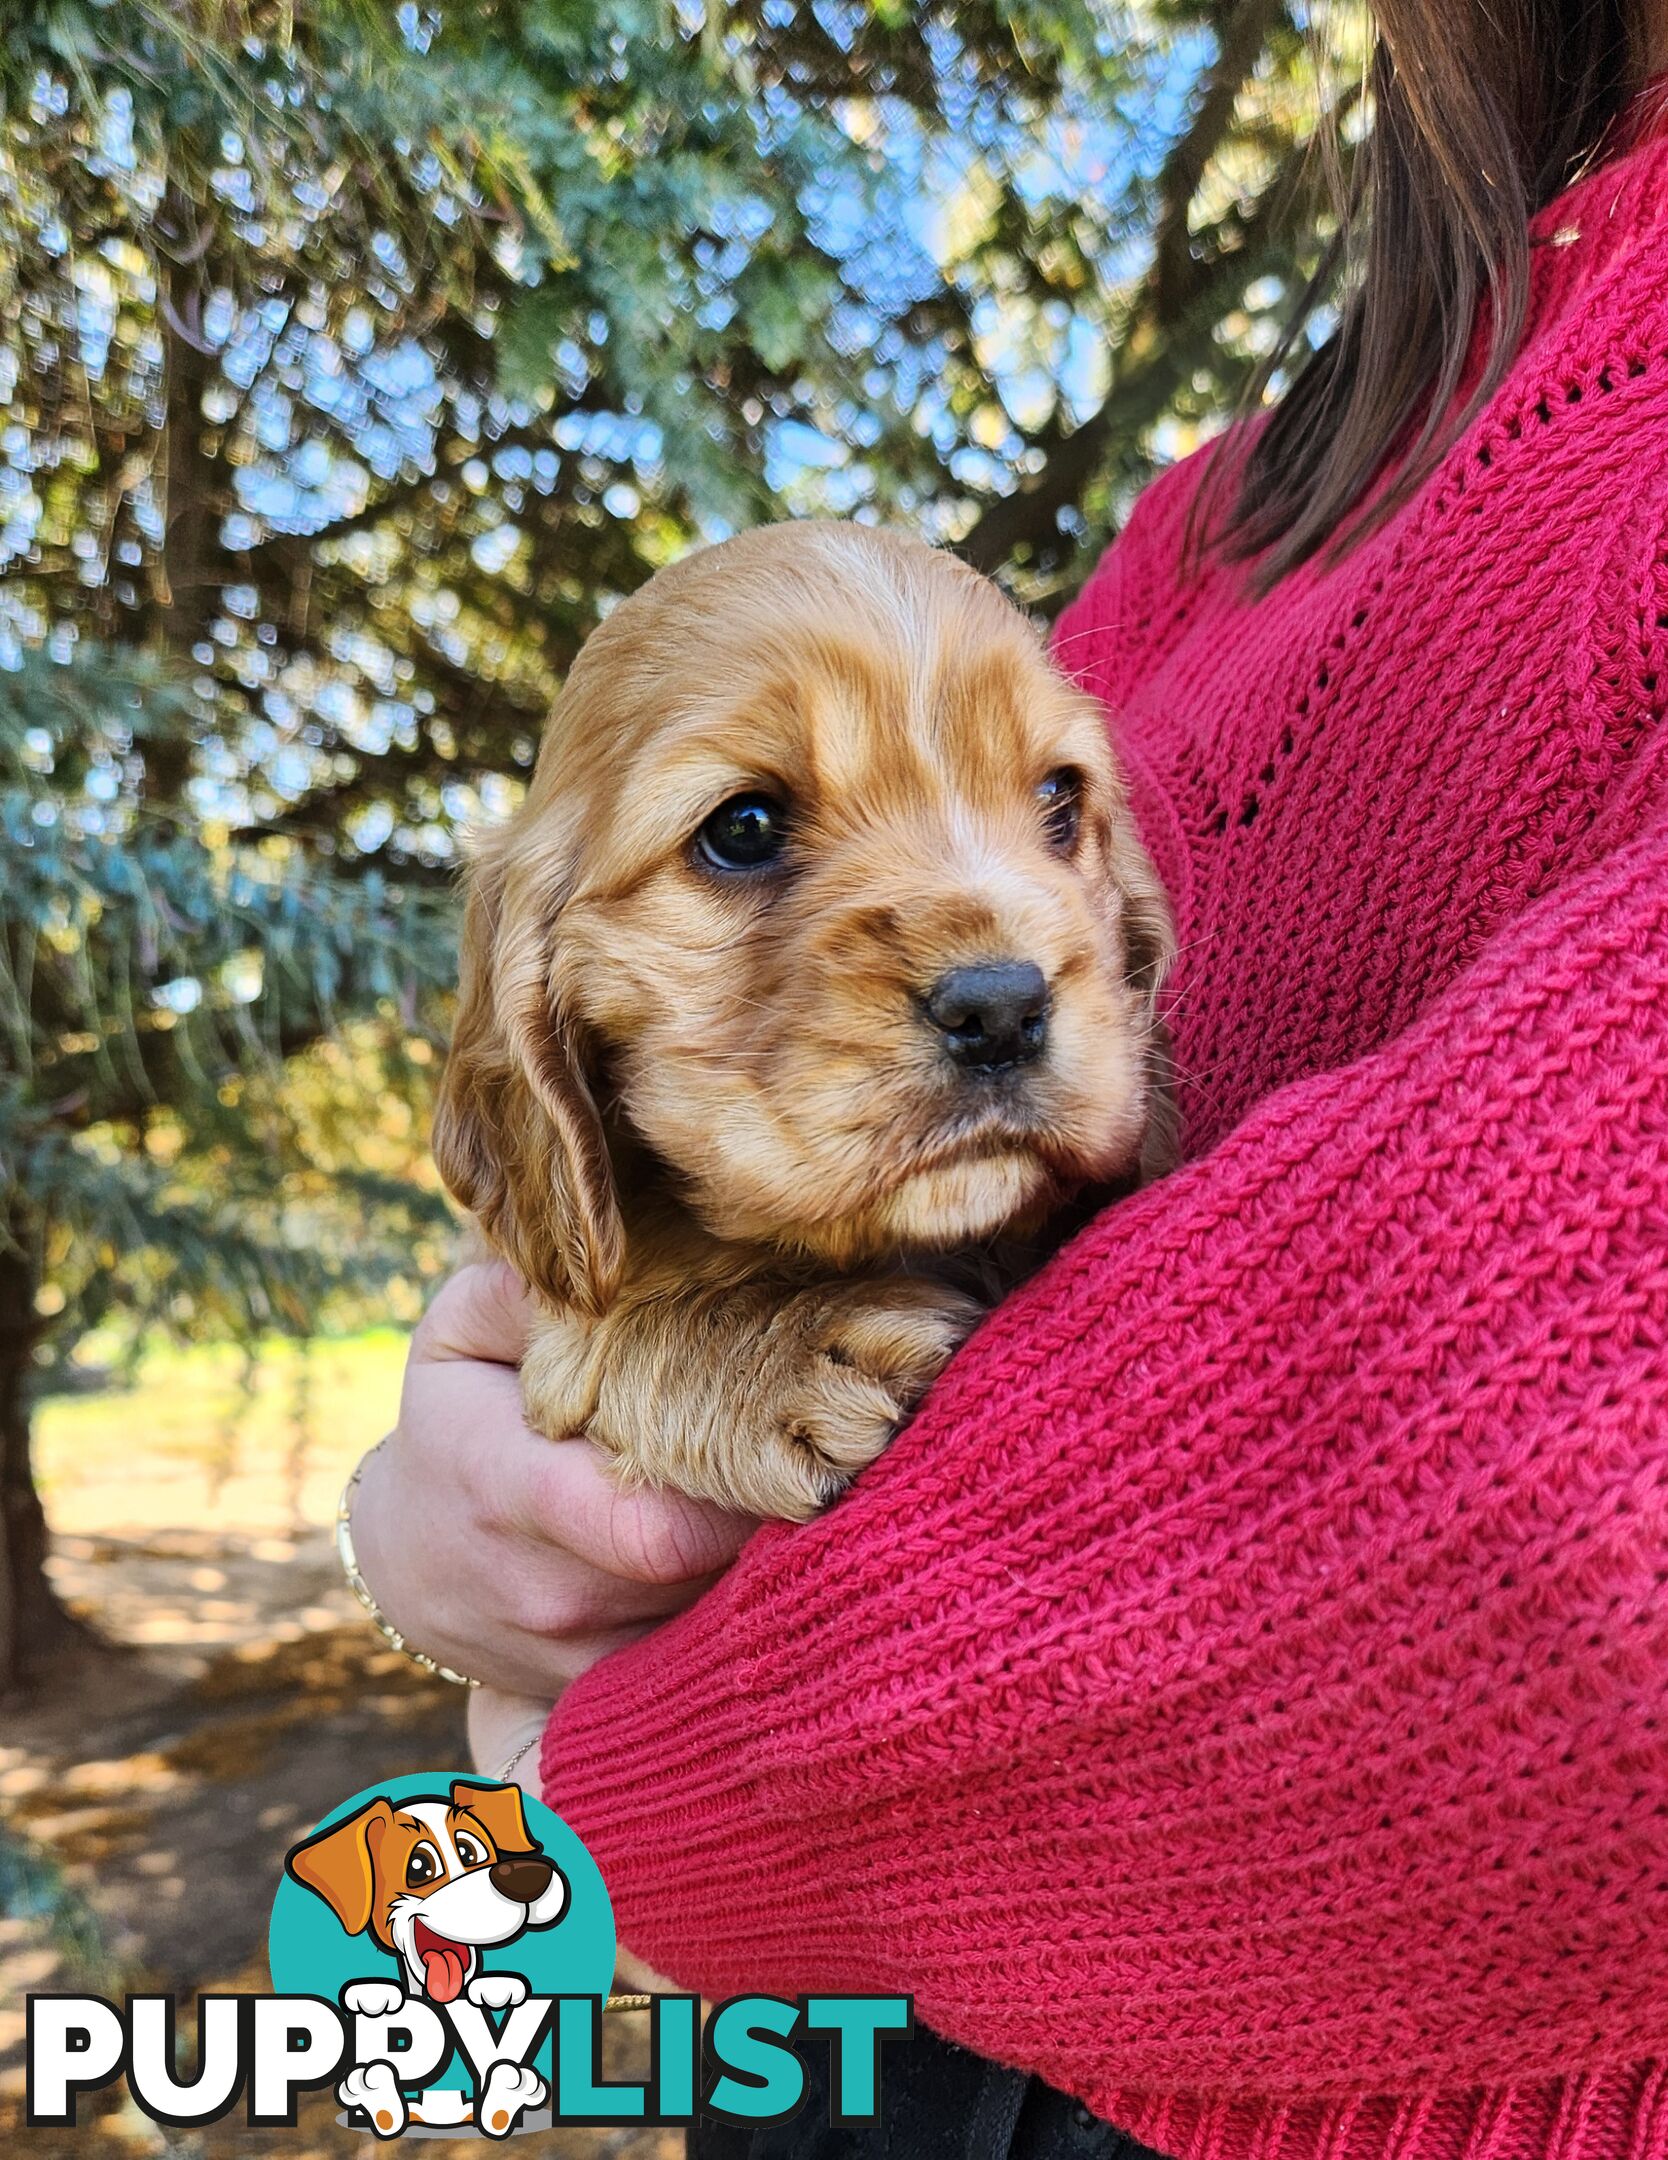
point(469, 1852)
point(1061, 796)
point(748, 832)
point(423, 1867)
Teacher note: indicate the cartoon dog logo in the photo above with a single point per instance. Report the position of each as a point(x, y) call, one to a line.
point(433, 1881)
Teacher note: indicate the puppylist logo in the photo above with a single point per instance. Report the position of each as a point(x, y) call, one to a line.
point(441, 1951)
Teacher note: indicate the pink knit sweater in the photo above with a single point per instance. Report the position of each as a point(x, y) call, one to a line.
point(1241, 1696)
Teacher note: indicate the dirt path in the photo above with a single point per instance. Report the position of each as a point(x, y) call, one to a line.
point(158, 1783)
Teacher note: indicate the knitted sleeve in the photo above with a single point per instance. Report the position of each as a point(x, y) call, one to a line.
point(1250, 1670)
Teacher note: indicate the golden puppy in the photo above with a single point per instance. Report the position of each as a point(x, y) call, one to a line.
point(821, 952)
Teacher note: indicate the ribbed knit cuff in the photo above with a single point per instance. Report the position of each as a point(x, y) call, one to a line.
point(1619, 2114)
point(657, 1764)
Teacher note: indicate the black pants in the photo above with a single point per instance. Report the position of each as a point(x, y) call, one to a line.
point(936, 2103)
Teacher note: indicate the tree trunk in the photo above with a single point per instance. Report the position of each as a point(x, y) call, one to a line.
point(32, 1622)
point(192, 567)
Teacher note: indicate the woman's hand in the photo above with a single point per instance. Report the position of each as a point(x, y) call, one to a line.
point(510, 1557)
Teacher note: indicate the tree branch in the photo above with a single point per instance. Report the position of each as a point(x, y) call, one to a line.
point(1178, 281)
point(1242, 39)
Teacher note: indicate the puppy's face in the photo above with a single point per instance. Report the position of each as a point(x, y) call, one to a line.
point(826, 888)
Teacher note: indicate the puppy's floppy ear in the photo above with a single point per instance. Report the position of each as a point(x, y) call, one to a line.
point(1149, 939)
point(1144, 919)
point(498, 1809)
point(1134, 901)
point(338, 1864)
point(516, 1134)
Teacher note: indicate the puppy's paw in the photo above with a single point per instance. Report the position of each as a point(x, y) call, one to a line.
point(374, 2091)
point(871, 1351)
point(496, 1991)
point(372, 1998)
point(509, 2090)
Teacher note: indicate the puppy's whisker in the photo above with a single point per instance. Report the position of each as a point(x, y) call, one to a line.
point(1058, 645)
point(1192, 944)
point(1195, 1083)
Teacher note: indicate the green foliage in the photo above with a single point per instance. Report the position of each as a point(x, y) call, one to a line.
point(33, 1890)
point(154, 985)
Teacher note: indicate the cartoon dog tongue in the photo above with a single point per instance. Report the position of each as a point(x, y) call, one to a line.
point(445, 1963)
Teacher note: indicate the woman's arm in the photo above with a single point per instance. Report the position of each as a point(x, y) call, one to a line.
point(1250, 1671)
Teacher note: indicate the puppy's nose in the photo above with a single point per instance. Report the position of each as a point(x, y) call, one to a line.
point(991, 1015)
point(524, 1877)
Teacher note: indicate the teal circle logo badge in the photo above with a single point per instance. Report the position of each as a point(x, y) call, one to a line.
point(443, 1914)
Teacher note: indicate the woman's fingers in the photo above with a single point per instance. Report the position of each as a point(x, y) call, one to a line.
point(660, 1539)
point(484, 1311)
point(560, 1491)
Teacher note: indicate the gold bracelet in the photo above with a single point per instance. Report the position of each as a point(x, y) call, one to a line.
point(361, 1589)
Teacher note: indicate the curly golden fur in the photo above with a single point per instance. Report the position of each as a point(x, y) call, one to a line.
point(708, 1112)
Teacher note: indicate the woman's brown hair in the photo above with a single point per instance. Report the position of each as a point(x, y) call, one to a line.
point(1482, 111)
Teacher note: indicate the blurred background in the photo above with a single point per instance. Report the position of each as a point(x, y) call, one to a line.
point(354, 359)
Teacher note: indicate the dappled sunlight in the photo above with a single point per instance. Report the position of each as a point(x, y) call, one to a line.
point(243, 1695)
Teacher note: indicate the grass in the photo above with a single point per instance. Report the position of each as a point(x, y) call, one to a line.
point(203, 1428)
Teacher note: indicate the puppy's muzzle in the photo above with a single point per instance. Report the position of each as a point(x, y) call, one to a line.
point(992, 1016)
point(521, 1877)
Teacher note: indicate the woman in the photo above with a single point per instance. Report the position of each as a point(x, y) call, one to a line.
point(1241, 1698)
